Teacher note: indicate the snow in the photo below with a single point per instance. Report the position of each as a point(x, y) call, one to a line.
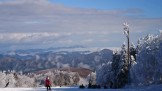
point(146, 88)
point(89, 50)
point(83, 81)
point(148, 71)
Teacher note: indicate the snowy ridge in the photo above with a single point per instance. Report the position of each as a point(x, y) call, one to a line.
point(28, 61)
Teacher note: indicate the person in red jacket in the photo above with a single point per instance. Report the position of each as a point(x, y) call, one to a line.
point(48, 83)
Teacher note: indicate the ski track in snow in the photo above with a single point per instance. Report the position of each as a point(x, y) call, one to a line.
point(148, 88)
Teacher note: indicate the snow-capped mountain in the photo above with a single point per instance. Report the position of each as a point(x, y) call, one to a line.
point(38, 59)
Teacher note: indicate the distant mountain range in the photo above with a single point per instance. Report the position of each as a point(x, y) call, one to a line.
point(62, 57)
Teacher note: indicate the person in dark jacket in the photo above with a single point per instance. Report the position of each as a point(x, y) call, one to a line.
point(48, 83)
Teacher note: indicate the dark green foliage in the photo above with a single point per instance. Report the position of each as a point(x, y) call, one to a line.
point(120, 71)
point(121, 67)
point(89, 85)
point(98, 86)
point(82, 86)
point(105, 87)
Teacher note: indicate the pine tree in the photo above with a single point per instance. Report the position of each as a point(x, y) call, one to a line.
point(115, 68)
point(138, 46)
point(122, 73)
point(104, 74)
point(133, 51)
point(147, 70)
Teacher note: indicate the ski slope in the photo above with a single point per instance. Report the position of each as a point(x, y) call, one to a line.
point(148, 88)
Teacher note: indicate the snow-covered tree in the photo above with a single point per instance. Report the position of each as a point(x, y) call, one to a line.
point(115, 72)
point(15, 80)
point(92, 78)
point(25, 81)
point(121, 73)
point(138, 46)
point(104, 74)
point(2, 79)
point(10, 78)
point(76, 78)
point(133, 51)
point(148, 69)
point(59, 78)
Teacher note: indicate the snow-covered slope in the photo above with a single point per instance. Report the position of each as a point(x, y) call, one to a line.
point(147, 88)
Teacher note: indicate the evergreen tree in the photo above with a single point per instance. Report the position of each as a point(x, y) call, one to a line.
point(138, 46)
point(122, 71)
point(115, 72)
point(147, 70)
point(133, 51)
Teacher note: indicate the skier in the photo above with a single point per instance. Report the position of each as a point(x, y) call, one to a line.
point(48, 83)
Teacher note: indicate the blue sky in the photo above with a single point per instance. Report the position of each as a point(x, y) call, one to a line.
point(31, 24)
point(150, 8)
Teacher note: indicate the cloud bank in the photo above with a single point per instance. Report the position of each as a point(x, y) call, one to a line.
point(41, 24)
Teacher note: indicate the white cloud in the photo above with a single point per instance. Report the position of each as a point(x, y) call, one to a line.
point(88, 40)
point(39, 22)
point(27, 37)
point(65, 41)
